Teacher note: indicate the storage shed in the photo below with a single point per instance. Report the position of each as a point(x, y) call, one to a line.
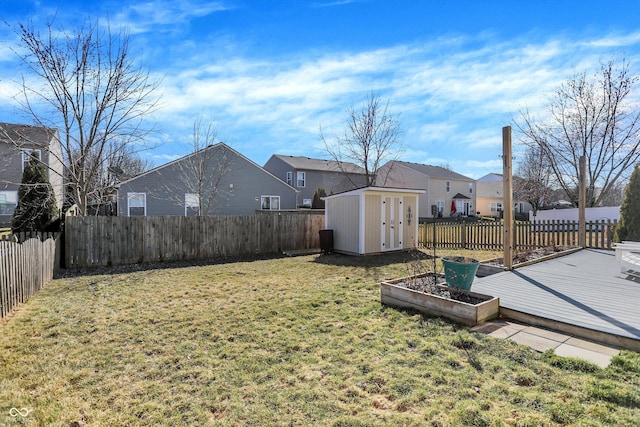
point(373, 220)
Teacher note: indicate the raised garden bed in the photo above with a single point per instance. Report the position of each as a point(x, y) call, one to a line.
point(521, 259)
point(427, 294)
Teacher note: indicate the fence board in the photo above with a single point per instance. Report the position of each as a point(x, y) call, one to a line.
point(104, 241)
point(528, 235)
point(25, 268)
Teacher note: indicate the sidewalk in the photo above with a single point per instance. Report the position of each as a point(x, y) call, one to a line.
point(542, 340)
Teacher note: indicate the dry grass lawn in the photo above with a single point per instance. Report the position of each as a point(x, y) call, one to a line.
point(297, 341)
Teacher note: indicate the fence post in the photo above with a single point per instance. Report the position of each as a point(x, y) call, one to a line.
point(464, 234)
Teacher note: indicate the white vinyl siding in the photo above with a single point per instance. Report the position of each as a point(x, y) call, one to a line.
point(137, 204)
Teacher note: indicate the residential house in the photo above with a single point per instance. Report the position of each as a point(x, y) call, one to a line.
point(308, 175)
point(489, 197)
point(17, 144)
point(447, 193)
point(216, 180)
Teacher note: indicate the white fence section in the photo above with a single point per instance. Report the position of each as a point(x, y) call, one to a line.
point(611, 213)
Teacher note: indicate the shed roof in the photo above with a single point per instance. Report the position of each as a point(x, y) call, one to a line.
point(360, 191)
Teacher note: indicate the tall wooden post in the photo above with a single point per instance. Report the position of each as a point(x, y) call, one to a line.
point(582, 204)
point(507, 201)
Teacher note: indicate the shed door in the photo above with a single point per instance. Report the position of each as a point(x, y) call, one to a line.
point(392, 214)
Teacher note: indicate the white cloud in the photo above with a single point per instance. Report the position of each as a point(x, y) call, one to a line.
point(145, 16)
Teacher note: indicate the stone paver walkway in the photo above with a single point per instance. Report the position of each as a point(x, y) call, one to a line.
point(542, 340)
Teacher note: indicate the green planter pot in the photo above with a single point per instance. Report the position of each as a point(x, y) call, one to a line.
point(459, 272)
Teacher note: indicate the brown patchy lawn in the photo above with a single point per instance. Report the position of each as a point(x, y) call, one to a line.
point(297, 341)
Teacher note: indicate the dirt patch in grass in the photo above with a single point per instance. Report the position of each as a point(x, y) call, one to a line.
point(287, 341)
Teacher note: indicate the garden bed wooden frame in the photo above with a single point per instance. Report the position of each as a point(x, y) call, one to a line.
point(434, 305)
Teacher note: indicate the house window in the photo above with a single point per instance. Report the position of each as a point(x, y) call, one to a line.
point(8, 202)
point(448, 186)
point(270, 203)
point(290, 178)
point(137, 204)
point(306, 203)
point(440, 205)
point(518, 207)
point(302, 179)
point(26, 156)
point(471, 187)
point(191, 204)
point(495, 207)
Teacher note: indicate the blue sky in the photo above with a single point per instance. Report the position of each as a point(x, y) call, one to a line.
point(270, 73)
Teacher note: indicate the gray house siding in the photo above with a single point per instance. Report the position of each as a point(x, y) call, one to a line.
point(240, 188)
point(332, 181)
point(13, 140)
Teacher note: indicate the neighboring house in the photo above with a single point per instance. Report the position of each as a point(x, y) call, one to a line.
point(489, 197)
point(308, 175)
point(17, 144)
point(216, 180)
point(447, 193)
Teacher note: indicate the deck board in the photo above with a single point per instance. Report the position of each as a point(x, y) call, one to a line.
point(585, 289)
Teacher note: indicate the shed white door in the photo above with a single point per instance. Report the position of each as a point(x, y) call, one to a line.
point(392, 214)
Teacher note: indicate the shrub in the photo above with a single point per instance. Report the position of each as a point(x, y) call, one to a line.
point(36, 201)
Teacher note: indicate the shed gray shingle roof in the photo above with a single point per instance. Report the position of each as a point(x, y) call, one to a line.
point(434, 171)
point(307, 163)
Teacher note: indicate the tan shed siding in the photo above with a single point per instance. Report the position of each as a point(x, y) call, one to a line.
point(373, 223)
point(344, 222)
point(410, 230)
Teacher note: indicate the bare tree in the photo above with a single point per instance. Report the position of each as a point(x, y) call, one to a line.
point(92, 92)
point(533, 181)
point(370, 140)
point(117, 162)
point(591, 117)
point(201, 173)
point(615, 195)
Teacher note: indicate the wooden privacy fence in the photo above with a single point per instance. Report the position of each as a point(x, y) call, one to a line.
point(110, 241)
point(25, 268)
point(488, 235)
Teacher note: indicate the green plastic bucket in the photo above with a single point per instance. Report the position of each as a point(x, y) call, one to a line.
point(459, 272)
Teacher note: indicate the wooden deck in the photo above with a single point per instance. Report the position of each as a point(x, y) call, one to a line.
point(583, 294)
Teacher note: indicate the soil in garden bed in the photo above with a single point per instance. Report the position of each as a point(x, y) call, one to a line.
point(435, 285)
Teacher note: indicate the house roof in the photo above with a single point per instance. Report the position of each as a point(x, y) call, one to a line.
point(491, 177)
point(434, 171)
point(307, 163)
point(210, 147)
point(21, 134)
